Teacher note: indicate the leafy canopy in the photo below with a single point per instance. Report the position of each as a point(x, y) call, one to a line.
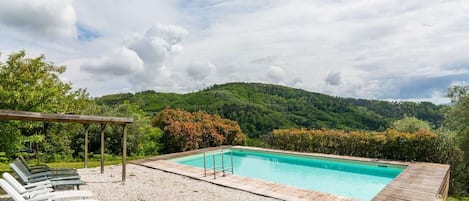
point(457, 116)
point(187, 131)
point(33, 84)
point(410, 125)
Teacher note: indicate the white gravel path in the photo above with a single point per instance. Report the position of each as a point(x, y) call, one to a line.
point(145, 184)
point(149, 184)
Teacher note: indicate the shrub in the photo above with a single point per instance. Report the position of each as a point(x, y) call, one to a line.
point(184, 131)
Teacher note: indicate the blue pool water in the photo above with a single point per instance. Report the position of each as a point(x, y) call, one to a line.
point(352, 179)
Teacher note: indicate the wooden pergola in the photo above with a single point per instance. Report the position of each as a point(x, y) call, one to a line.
point(81, 119)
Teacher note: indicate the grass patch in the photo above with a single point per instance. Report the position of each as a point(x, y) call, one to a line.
point(4, 167)
point(91, 164)
point(458, 199)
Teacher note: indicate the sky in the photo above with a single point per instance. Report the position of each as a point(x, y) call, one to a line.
point(409, 50)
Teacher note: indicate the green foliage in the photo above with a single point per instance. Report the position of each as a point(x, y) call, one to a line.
point(142, 138)
point(410, 125)
point(256, 142)
point(457, 121)
point(453, 155)
point(3, 158)
point(458, 199)
point(10, 138)
point(422, 145)
point(150, 142)
point(261, 108)
point(187, 131)
point(457, 91)
point(32, 84)
point(457, 116)
point(390, 144)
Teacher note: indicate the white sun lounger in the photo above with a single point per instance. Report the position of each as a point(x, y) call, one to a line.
point(48, 196)
point(60, 181)
point(30, 191)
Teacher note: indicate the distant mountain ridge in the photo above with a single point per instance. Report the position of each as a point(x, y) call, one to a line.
point(260, 108)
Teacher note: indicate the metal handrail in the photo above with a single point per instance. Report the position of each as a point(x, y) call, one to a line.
point(205, 167)
point(223, 169)
point(214, 168)
point(222, 163)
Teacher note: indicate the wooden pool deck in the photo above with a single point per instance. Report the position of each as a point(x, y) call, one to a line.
point(418, 181)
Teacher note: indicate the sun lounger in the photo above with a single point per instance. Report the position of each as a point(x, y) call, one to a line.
point(44, 168)
point(44, 197)
point(29, 190)
point(55, 181)
point(43, 190)
point(24, 168)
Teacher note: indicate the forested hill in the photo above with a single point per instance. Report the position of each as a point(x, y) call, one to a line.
point(260, 108)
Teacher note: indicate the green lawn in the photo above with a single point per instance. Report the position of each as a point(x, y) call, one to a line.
point(458, 199)
point(5, 168)
point(77, 165)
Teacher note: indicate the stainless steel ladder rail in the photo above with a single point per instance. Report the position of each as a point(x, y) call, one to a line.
point(214, 166)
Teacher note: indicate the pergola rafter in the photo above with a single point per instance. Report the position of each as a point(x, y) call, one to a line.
point(85, 120)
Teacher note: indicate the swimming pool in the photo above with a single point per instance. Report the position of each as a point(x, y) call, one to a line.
point(360, 180)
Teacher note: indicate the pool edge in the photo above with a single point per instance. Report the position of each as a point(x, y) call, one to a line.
point(405, 186)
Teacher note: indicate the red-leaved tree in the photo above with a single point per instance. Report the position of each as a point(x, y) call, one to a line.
point(188, 131)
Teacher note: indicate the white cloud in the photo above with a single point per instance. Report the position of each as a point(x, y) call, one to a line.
point(115, 19)
point(145, 59)
point(122, 61)
point(46, 18)
point(372, 45)
point(159, 43)
point(364, 49)
point(276, 74)
point(157, 47)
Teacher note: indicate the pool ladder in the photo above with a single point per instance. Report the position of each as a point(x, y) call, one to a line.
point(215, 167)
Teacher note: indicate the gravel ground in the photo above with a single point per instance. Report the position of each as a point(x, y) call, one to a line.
point(149, 184)
point(145, 184)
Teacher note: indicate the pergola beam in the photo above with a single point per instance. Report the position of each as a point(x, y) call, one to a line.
point(70, 118)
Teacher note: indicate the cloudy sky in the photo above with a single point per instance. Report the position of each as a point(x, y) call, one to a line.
point(379, 49)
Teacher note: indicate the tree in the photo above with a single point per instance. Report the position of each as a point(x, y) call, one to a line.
point(457, 116)
point(10, 138)
point(457, 91)
point(33, 84)
point(187, 131)
point(37, 140)
point(410, 125)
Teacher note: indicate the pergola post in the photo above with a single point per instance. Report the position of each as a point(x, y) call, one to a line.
point(86, 144)
point(124, 150)
point(103, 126)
